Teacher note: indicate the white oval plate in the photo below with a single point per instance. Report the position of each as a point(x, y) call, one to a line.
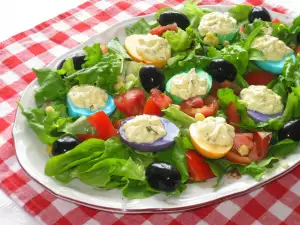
point(32, 157)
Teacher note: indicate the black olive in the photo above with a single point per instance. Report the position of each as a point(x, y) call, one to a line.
point(170, 17)
point(78, 60)
point(152, 77)
point(259, 12)
point(290, 130)
point(163, 176)
point(221, 70)
point(64, 144)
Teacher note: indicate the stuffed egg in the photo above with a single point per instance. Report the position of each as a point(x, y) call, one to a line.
point(262, 103)
point(212, 137)
point(149, 49)
point(148, 133)
point(275, 53)
point(85, 100)
point(217, 28)
point(193, 83)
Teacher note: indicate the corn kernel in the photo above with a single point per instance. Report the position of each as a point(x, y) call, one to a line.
point(130, 77)
point(243, 150)
point(199, 117)
point(49, 109)
point(118, 85)
point(49, 149)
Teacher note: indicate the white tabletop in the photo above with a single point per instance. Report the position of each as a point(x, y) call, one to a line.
point(32, 13)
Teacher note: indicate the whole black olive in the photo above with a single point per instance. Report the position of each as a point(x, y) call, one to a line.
point(163, 176)
point(64, 144)
point(290, 130)
point(152, 77)
point(221, 70)
point(259, 12)
point(170, 17)
point(78, 60)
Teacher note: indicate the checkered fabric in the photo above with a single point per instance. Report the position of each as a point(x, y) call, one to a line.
point(275, 203)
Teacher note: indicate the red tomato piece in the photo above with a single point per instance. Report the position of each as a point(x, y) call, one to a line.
point(103, 48)
point(233, 116)
point(160, 99)
point(276, 20)
point(297, 49)
point(132, 102)
point(103, 125)
point(242, 29)
point(262, 141)
point(151, 108)
point(199, 169)
point(162, 29)
point(226, 84)
point(259, 78)
point(243, 139)
point(195, 102)
point(209, 108)
point(236, 158)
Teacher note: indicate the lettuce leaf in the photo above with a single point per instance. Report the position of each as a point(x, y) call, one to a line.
point(193, 12)
point(114, 46)
point(49, 81)
point(104, 74)
point(47, 126)
point(174, 114)
point(240, 12)
point(94, 55)
point(67, 68)
point(140, 27)
point(179, 41)
point(283, 148)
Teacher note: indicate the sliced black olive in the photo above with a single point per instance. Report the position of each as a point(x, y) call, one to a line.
point(290, 130)
point(64, 144)
point(221, 70)
point(152, 77)
point(78, 60)
point(170, 17)
point(259, 12)
point(163, 176)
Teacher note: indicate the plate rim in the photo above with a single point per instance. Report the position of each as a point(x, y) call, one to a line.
point(146, 210)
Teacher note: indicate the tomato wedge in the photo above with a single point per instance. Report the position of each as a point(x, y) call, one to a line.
point(198, 168)
point(259, 78)
point(151, 108)
point(233, 116)
point(132, 102)
point(193, 106)
point(262, 141)
point(276, 20)
point(103, 125)
point(236, 158)
point(162, 29)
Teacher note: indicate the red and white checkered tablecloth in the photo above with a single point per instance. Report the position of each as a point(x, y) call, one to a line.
point(275, 203)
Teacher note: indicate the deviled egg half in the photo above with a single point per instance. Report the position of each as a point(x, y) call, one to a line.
point(262, 103)
point(85, 100)
point(275, 53)
point(212, 137)
point(148, 133)
point(217, 28)
point(194, 83)
point(149, 49)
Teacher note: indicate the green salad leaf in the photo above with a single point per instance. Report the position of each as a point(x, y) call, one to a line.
point(48, 81)
point(94, 55)
point(283, 148)
point(179, 41)
point(193, 12)
point(140, 27)
point(240, 12)
point(104, 74)
point(175, 156)
point(174, 114)
point(47, 126)
point(114, 46)
point(67, 68)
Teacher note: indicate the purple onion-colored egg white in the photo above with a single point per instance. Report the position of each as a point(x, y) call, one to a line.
point(260, 117)
point(161, 144)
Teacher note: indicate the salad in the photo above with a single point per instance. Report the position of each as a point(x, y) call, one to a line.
point(192, 95)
